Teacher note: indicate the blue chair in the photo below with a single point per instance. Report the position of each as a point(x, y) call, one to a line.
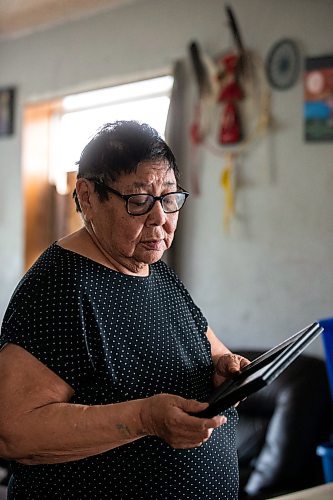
point(325, 450)
point(327, 336)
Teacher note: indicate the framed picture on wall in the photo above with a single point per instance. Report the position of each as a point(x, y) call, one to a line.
point(318, 98)
point(7, 96)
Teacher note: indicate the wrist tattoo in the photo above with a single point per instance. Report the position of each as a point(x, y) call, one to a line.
point(124, 430)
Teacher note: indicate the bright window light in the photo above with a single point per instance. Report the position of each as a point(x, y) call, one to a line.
point(145, 101)
point(119, 93)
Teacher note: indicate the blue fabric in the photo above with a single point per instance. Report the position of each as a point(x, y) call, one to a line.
point(327, 337)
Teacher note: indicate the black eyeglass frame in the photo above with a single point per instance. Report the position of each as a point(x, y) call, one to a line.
point(126, 197)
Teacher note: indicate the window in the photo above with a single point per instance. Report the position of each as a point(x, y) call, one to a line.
point(82, 114)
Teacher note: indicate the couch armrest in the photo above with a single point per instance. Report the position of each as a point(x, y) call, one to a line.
point(298, 409)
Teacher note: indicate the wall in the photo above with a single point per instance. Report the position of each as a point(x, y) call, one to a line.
point(273, 272)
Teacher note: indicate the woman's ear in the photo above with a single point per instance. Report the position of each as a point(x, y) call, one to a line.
point(84, 190)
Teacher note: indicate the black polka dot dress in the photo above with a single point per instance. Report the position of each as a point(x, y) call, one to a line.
point(113, 338)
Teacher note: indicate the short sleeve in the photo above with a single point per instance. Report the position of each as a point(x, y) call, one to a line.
point(44, 318)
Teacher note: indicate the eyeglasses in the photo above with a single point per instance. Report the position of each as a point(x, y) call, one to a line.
point(141, 204)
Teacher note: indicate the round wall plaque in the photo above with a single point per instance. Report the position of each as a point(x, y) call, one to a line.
point(283, 64)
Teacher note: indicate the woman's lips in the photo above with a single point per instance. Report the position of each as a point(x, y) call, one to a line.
point(153, 244)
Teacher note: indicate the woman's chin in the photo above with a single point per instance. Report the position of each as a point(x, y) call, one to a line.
point(151, 256)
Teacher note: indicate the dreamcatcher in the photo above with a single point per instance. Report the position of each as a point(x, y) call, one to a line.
point(232, 109)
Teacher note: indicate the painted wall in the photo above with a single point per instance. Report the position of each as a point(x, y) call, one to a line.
point(273, 272)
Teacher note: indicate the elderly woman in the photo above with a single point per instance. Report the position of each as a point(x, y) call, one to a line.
point(105, 358)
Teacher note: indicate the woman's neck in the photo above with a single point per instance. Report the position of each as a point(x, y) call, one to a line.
point(84, 242)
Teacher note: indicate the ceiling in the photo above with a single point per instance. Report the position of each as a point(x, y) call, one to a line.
point(20, 17)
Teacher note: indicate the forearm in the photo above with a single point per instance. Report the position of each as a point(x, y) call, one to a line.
point(218, 349)
point(39, 425)
point(63, 432)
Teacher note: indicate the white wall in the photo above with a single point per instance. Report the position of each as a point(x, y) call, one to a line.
point(273, 273)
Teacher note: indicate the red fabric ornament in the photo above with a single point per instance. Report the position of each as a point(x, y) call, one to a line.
point(230, 131)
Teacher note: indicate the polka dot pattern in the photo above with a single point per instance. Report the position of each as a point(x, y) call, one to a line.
point(114, 338)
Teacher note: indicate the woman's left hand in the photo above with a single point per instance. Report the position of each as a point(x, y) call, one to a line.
point(227, 366)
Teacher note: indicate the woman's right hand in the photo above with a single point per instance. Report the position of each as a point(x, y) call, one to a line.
point(167, 416)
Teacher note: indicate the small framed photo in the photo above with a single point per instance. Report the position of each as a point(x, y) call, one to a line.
point(7, 96)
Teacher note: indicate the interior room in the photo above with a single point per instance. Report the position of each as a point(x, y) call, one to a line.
point(255, 238)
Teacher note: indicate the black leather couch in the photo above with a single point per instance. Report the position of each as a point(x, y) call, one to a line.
point(4, 473)
point(279, 429)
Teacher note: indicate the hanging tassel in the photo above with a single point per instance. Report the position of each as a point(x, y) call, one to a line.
point(228, 188)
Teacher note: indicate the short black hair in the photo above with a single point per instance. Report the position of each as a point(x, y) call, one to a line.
point(118, 148)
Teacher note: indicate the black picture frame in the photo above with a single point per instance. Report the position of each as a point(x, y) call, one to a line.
point(7, 98)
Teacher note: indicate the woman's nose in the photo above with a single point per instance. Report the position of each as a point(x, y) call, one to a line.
point(156, 216)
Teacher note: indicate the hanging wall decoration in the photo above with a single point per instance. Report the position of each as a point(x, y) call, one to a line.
point(6, 111)
point(232, 109)
point(318, 99)
point(283, 64)
point(207, 86)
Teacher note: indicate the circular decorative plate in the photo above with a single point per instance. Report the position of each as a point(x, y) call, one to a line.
point(283, 64)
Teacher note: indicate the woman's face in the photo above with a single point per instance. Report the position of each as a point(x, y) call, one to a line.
point(135, 241)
